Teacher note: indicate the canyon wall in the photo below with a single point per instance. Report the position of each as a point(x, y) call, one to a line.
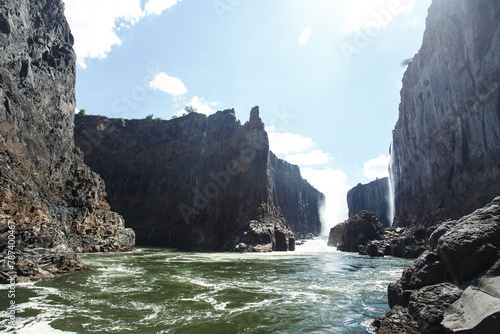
point(446, 144)
point(50, 201)
point(295, 197)
point(198, 182)
point(374, 197)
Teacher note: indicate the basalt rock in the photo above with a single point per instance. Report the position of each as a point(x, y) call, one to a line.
point(446, 143)
point(51, 204)
point(464, 254)
point(356, 232)
point(295, 197)
point(373, 197)
point(198, 182)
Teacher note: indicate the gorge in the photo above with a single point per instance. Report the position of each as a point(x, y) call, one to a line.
point(187, 190)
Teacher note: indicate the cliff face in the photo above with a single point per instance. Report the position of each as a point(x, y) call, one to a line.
point(295, 197)
point(373, 197)
point(195, 182)
point(446, 144)
point(55, 202)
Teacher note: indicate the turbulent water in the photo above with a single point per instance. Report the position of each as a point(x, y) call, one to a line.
point(312, 290)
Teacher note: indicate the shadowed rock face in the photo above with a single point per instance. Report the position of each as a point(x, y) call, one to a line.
point(373, 197)
point(199, 182)
point(295, 197)
point(355, 232)
point(55, 202)
point(464, 254)
point(446, 144)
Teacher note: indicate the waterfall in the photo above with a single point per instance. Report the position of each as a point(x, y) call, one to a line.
point(391, 180)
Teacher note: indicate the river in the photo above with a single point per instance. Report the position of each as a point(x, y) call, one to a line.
point(150, 290)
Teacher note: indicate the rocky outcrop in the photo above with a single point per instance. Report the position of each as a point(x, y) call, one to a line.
point(295, 197)
point(356, 232)
point(198, 182)
point(446, 143)
point(465, 254)
point(365, 234)
point(51, 204)
point(374, 197)
point(398, 242)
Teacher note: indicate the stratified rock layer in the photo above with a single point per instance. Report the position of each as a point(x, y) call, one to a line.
point(446, 144)
point(51, 198)
point(374, 197)
point(199, 182)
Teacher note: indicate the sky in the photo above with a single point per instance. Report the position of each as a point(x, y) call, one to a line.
point(326, 74)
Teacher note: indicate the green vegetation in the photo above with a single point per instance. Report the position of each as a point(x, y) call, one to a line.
point(149, 116)
point(82, 112)
point(190, 109)
point(121, 122)
point(407, 62)
point(158, 120)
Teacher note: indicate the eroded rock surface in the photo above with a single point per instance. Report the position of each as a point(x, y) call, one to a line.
point(465, 255)
point(55, 204)
point(356, 232)
point(446, 143)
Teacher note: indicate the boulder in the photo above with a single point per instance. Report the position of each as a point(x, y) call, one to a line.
point(355, 232)
point(464, 254)
point(428, 305)
point(477, 310)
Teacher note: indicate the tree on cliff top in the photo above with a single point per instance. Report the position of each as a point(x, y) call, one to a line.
point(190, 109)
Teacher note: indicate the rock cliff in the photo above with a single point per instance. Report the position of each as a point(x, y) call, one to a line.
point(199, 182)
point(51, 204)
point(374, 197)
point(446, 143)
point(295, 197)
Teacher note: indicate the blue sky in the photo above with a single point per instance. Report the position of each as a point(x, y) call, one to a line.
point(325, 73)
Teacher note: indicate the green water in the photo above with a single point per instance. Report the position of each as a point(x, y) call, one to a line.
point(313, 290)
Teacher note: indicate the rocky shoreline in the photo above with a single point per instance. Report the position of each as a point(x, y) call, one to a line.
point(365, 234)
point(453, 286)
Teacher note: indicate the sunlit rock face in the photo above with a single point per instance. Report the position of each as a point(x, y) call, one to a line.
point(446, 144)
point(199, 182)
point(56, 203)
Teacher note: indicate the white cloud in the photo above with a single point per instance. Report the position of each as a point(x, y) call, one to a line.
point(376, 168)
point(168, 84)
point(201, 105)
point(287, 143)
point(156, 7)
point(361, 14)
point(305, 35)
point(315, 157)
point(95, 23)
point(334, 185)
